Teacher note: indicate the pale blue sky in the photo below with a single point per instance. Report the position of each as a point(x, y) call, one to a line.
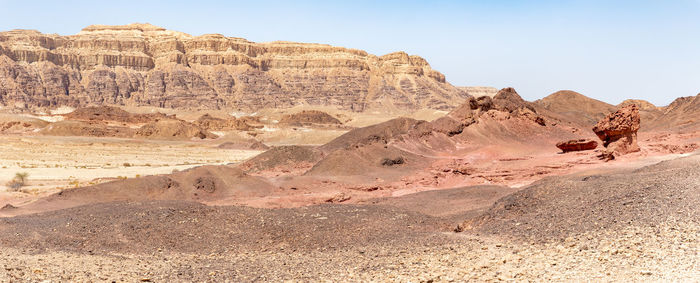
point(609, 50)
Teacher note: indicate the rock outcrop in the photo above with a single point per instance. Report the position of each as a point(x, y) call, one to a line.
point(113, 114)
point(212, 123)
point(479, 91)
point(309, 117)
point(141, 64)
point(577, 145)
point(618, 131)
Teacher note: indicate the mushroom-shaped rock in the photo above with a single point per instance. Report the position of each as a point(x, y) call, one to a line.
point(618, 131)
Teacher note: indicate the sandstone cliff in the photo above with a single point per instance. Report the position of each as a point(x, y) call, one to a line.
point(141, 64)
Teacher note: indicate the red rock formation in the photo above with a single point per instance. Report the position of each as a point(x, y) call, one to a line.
point(577, 145)
point(618, 131)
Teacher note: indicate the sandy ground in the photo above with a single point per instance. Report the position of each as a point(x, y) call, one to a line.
point(634, 254)
point(55, 163)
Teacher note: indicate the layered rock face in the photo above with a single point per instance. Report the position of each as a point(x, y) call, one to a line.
point(141, 64)
point(479, 91)
point(618, 131)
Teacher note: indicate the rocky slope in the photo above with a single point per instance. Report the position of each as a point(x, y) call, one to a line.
point(681, 114)
point(141, 64)
point(577, 107)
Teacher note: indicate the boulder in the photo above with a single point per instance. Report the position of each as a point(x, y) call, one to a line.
point(618, 131)
point(577, 145)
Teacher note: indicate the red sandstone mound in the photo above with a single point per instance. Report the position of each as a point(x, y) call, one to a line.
point(576, 107)
point(309, 118)
point(618, 131)
point(577, 145)
point(115, 114)
point(171, 128)
point(509, 120)
point(402, 146)
point(212, 123)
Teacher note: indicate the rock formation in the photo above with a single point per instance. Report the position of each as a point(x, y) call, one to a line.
point(141, 64)
point(114, 114)
point(212, 123)
point(618, 131)
point(577, 145)
point(479, 91)
point(309, 117)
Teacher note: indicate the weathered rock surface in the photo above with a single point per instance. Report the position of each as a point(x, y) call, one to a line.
point(113, 114)
point(479, 91)
point(141, 64)
point(618, 131)
point(173, 128)
point(309, 117)
point(577, 145)
point(212, 123)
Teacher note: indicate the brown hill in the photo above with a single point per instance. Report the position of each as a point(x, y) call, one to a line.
point(682, 113)
point(141, 64)
point(212, 123)
point(173, 128)
point(576, 107)
point(12, 124)
point(86, 129)
point(309, 117)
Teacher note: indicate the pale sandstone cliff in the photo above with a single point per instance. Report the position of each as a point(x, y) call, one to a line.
point(141, 64)
point(479, 91)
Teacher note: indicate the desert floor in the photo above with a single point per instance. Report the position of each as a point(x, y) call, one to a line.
point(55, 163)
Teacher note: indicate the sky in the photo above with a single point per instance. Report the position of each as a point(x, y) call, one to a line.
point(607, 50)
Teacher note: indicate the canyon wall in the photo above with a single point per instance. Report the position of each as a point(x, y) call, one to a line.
point(141, 64)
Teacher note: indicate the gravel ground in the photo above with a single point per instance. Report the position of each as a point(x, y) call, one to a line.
point(638, 226)
point(665, 253)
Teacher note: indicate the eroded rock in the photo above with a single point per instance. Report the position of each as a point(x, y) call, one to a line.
point(618, 131)
point(577, 145)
